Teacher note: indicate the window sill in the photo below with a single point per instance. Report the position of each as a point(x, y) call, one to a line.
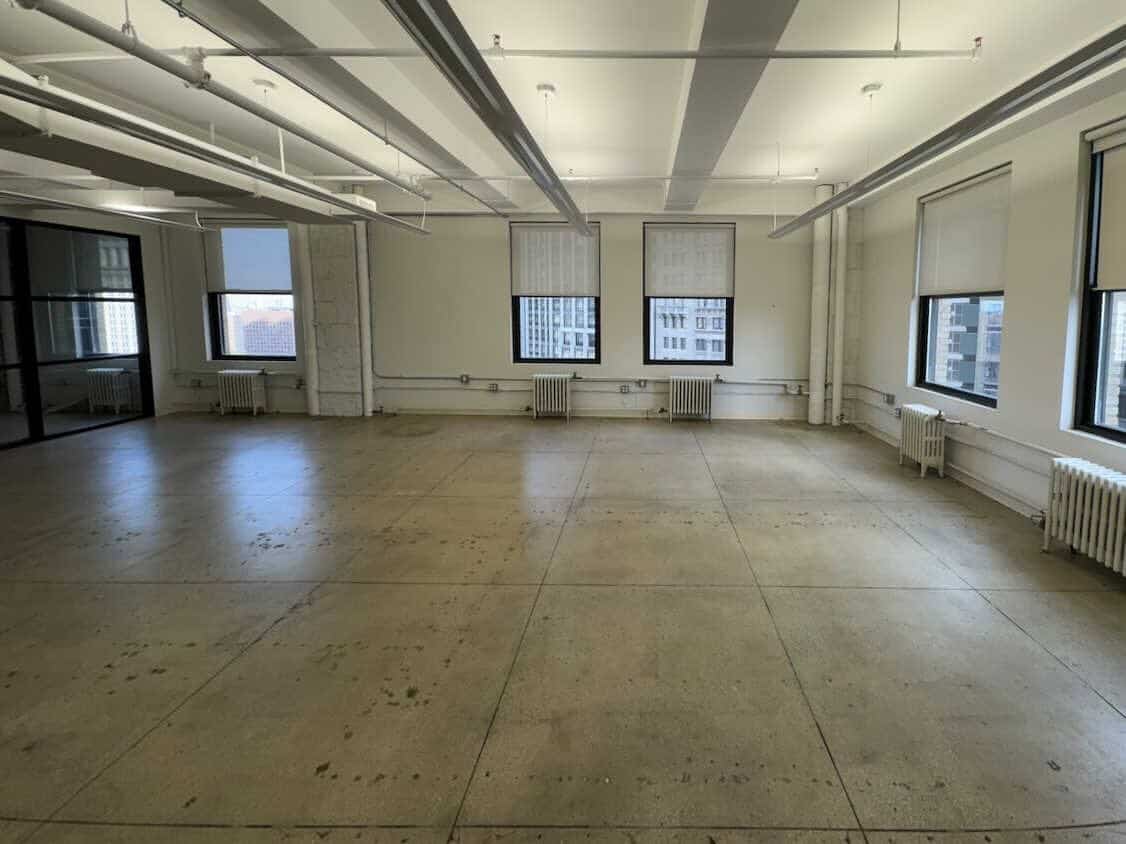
point(963, 398)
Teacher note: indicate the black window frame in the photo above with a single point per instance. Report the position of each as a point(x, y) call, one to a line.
point(729, 309)
point(215, 323)
point(515, 304)
point(923, 326)
point(1093, 316)
point(23, 299)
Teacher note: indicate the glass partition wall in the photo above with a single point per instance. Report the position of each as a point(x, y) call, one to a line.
point(73, 344)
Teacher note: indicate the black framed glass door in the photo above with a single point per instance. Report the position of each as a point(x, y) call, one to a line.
point(72, 330)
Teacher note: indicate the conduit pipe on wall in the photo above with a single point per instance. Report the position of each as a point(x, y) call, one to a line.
point(195, 76)
point(819, 311)
point(840, 280)
point(363, 304)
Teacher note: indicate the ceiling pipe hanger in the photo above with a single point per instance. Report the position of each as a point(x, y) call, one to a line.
point(100, 209)
point(438, 32)
point(195, 76)
point(40, 93)
point(237, 49)
point(1087, 60)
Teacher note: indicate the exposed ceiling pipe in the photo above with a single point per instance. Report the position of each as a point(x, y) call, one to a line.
point(437, 30)
point(758, 179)
point(194, 75)
point(1093, 57)
point(259, 56)
point(99, 209)
point(46, 96)
point(507, 53)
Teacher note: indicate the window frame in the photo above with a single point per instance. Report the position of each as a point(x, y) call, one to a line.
point(923, 327)
point(1092, 316)
point(729, 307)
point(215, 323)
point(515, 303)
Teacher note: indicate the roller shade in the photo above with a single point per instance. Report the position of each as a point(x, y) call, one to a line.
point(1110, 273)
point(554, 260)
point(964, 236)
point(694, 260)
point(250, 258)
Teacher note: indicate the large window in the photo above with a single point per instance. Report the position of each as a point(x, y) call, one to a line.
point(251, 294)
point(963, 236)
point(689, 293)
point(1101, 405)
point(555, 293)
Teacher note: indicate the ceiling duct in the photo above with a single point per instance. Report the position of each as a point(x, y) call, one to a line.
point(89, 134)
point(99, 209)
point(194, 75)
point(436, 29)
point(1093, 57)
point(331, 83)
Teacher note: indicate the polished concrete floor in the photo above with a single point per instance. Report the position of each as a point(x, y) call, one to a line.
point(402, 629)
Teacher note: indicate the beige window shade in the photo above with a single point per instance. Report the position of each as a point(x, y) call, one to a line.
point(553, 260)
point(690, 260)
point(1110, 272)
point(964, 237)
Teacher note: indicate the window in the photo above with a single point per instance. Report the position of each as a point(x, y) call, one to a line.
point(251, 294)
point(555, 285)
point(1101, 398)
point(689, 281)
point(963, 236)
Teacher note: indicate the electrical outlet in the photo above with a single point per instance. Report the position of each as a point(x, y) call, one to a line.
point(642, 383)
point(463, 378)
point(898, 412)
point(494, 388)
point(889, 398)
point(623, 388)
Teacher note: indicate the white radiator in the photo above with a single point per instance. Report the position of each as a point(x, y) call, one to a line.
point(1087, 510)
point(108, 387)
point(690, 397)
point(922, 438)
point(242, 389)
point(551, 395)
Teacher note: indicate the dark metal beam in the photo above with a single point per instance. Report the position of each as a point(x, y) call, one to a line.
point(436, 29)
point(1100, 53)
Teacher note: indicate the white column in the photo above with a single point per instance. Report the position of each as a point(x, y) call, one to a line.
point(840, 278)
point(819, 310)
point(363, 292)
point(306, 306)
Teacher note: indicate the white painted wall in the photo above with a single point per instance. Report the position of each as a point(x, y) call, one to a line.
point(442, 307)
point(1049, 178)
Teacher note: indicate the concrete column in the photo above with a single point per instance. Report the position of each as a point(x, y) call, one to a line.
point(819, 310)
point(336, 309)
point(840, 285)
point(363, 292)
point(303, 273)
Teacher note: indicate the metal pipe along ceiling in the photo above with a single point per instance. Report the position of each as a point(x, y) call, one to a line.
point(261, 55)
point(45, 96)
point(1100, 53)
point(197, 77)
point(436, 29)
point(100, 209)
point(704, 53)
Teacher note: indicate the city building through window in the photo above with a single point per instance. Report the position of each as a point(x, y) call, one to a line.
point(555, 293)
point(251, 294)
point(961, 278)
point(1101, 405)
point(689, 293)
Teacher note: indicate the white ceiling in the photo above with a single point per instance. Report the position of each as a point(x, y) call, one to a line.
point(617, 118)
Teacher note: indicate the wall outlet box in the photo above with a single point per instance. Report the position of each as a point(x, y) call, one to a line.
point(642, 383)
point(889, 398)
point(898, 412)
point(463, 378)
point(623, 388)
point(494, 388)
